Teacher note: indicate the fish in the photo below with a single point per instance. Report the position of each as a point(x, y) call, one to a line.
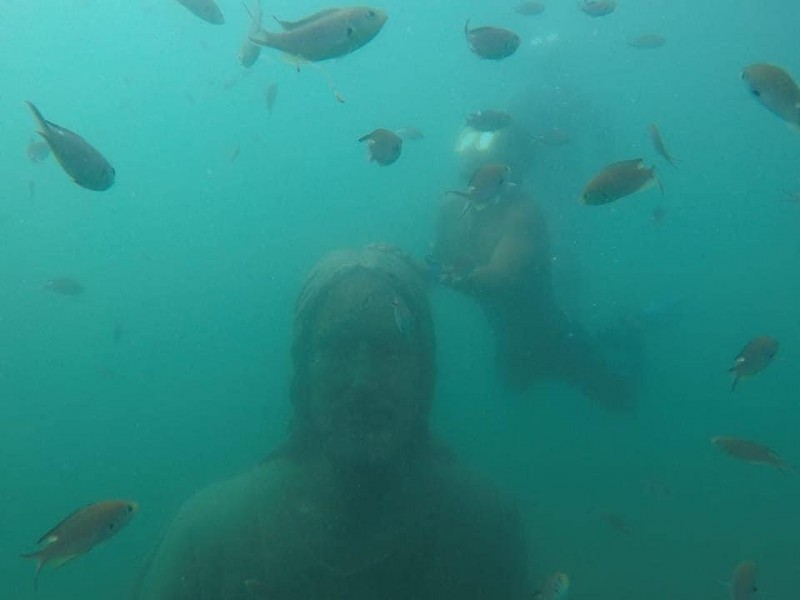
point(775, 89)
point(491, 43)
point(530, 7)
point(756, 356)
point(658, 144)
point(658, 214)
point(248, 51)
point(489, 120)
point(64, 286)
point(208, 10)
point(384, 146)
point(743, 581)
point(37, 150)
point(647, 41)
point(485, 186)
point(79, 159)
point(791, 196)
point(271, 96)
point(617, 523)
point(598, 8)
point(555, 587)
point(327, 34)
point(81, 531)
point(750, 451)
point(618, 180)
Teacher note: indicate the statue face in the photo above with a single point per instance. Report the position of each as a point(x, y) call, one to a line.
point(365, 373)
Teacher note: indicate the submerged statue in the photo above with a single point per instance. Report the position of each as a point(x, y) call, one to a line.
point(361, 502)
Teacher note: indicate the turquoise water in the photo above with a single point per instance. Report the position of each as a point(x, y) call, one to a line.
point(171, 370)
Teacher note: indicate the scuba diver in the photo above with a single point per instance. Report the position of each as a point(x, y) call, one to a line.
point(361, 502)
point(491, 243)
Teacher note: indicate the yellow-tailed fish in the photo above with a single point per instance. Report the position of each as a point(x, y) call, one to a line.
point(750, 451)
point(743, 581)
point(775, 89)
point(82, 531)
point(618, 180)
point(327, 34)
point(756, 356)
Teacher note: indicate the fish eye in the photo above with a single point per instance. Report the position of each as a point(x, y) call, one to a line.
point(371, 13)
point(756, 93)
point(350, 31)
point(111, 525)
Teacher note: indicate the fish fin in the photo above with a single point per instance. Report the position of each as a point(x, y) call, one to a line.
point(658, 181)
point(292, 25)
point(735, 381)
point(37, 556)
point(62, 560)
point(365, 138)
point(40, 120)
point(466, 30)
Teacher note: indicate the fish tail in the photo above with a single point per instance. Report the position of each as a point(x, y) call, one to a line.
point(658, 180)
point(40, 120)
point(735, 381)
point(37, 556)
point(258, 35)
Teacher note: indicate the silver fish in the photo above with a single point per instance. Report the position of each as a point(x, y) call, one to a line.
point(208, 10)
point(81, 161)
point(330, 33)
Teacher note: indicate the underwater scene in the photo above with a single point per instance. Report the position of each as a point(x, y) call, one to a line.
point(432, 299)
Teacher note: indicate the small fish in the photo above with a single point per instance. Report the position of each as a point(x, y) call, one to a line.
point(64, 286)
point(37, 150)
point(775, 89)
point(658, 144)
point(271, 96)
point(793, 197)
point(598, 8)
point(492, 43)
point(402, 316)
point(617, 523)
point(749, 451)
point(208, 10)
point(384, 146)
point(618, 180)
point(82, 531)
point(327, 34)
point(743, 581)
point(235, 153)
point(647, 41)
point(485, 186)
point(754, 357)
point(248, 51)
point(489, 120)
point(530, 7)
point(658, 214)
point(555, 587)
point(87, 167)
